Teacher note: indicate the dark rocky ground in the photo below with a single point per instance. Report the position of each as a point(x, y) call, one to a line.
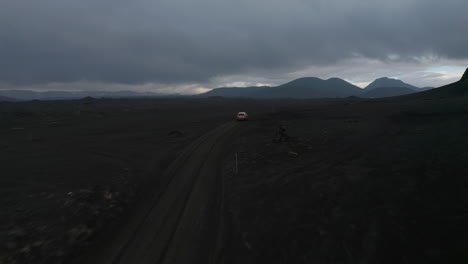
point(381, 181)
point(71, 171)
point(358, 181)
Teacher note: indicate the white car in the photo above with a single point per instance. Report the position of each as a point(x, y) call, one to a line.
point(242, 116)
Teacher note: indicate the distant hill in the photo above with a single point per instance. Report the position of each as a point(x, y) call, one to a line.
point(388, 82)
point(459, 88)
point(237, 92)
point(311, 87)
point(60, 95)
point(425, 89)
point(387, 92)
point(308, 87)
point(7, 99)
point(388, 87)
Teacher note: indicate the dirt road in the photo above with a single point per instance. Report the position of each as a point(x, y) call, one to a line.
point(182, 223)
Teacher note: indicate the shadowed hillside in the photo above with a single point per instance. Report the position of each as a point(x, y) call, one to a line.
point(459, 88)
point(6, 99)
point(308, 87)
point(312, 87)
point(236, 92)
point(389, 82)
point(387, 92)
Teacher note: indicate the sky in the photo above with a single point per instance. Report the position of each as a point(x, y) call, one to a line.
point(187, 46)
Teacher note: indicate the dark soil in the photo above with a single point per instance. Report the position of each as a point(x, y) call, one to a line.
point(353, 181)
point(72, 171)
point(357, 182)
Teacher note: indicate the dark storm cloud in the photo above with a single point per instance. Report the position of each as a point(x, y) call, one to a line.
point(134, 42)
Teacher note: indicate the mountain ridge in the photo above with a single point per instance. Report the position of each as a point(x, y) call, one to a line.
point(314, 87)
point(459, 88)
point(7, 99)
point(305, 87)
point(65, 95)
point(389, 82)
point(465, 75)
point(385, 91)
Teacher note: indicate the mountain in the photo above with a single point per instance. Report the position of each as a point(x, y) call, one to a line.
point(388, 82)
point(60, 95)
point(465, 76)
point(238, 92)
point(387, 92)
point(311, 87)
point(459, 88)
point(308, 87)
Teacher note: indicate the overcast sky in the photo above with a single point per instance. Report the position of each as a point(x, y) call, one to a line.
point(189, 46)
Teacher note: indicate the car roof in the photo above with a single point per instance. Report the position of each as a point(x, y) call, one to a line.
point(240, 113)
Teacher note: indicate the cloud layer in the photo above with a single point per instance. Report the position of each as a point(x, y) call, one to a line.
point(185, 43)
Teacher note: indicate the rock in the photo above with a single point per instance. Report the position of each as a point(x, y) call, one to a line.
point(18, 232)
point(293, 154)
point(25, 250)
point(38, 243)
point(177, 133)
point(108, 195)
point(79, 233)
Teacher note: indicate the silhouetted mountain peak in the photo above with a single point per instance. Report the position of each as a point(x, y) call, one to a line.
point(335, 79)
point(459, 88)
point(306, 87)
point(304, 81)
point(465, 75)
point(384, 79)
point(313, 81)
point(388, 82)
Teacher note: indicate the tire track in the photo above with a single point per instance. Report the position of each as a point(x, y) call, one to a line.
point(181, 224)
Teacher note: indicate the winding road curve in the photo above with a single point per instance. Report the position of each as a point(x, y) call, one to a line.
point(183, 223)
